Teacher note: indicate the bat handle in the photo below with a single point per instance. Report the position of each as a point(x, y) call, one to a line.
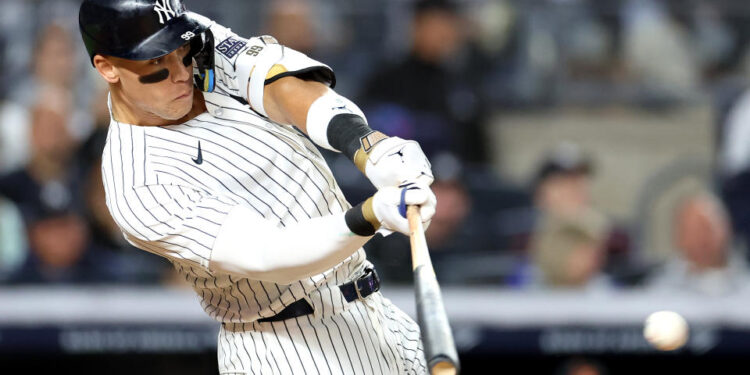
point(415, 219)
point(420, 254)
point(440, 349)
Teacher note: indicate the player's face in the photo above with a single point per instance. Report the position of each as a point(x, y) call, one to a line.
point(161, 88)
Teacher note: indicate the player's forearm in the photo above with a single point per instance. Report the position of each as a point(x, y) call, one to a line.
point(288, 100)
point(258, 249)
point(331, 120)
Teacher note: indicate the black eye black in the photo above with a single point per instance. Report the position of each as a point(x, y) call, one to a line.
point(154, 77)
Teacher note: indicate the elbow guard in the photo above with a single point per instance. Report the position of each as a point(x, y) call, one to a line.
point(267, 61)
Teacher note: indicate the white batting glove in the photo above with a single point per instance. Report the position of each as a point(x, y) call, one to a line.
point(389, 205)
point(394, 161)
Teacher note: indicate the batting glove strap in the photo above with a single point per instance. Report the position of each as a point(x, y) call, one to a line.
point(390, 202)
point(364, 146)
point(351, 134)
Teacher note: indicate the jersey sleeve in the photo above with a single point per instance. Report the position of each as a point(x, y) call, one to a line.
point(172, 221)
point(244, 66)
point(191, 226)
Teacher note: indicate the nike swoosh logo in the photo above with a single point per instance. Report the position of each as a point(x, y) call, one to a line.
point(342, 108)
point(399, 153)
point(199, 160)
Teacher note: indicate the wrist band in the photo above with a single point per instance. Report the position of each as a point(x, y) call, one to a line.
point(345, 131)
point(361, 219)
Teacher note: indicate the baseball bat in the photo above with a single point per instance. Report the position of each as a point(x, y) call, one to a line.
point(439, 347)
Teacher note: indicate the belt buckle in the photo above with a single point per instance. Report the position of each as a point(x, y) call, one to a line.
point(368, 272)
point(356, 284)
point(356, 288)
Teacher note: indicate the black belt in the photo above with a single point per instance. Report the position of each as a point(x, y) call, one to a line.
point(368, 284)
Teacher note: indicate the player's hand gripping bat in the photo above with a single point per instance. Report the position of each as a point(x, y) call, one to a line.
point(440, 350)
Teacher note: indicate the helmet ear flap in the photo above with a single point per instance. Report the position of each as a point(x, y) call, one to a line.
point(196, 46)
point(202, 51)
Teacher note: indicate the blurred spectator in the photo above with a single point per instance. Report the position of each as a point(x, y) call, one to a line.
point(291, 23)
point(46, 187)
point(562, 184)
point(52, 65)
point(704, 259)
point(496, 50)
point(657, 50)
point(48, 173)
point(455, 205)
point(315, 28)
point(715, 43)
point(16, 35)
point(434, 96)
point(430, 96)
point(569, 251)
point(572, 238)
point(60, 251)
point(53, 62)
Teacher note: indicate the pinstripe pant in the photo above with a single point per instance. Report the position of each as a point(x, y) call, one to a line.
point(368, 337)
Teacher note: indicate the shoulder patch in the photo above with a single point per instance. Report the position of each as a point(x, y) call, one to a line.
point(230, 47)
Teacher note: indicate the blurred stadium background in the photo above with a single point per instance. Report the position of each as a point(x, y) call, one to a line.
point(592, 162)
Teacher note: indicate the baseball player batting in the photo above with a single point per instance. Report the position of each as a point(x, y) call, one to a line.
point(206, 164)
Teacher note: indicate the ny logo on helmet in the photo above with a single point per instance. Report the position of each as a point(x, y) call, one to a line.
point(164, 9)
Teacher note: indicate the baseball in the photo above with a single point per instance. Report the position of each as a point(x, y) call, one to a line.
point(666, 330)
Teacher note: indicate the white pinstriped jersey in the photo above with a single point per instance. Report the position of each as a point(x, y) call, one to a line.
point(168, 204)
point(170, 188)
point(168, 201)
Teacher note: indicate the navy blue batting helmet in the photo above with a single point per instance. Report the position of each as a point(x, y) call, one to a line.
point(136, 29)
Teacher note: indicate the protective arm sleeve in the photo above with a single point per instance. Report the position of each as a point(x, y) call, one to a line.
point(253, 247)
